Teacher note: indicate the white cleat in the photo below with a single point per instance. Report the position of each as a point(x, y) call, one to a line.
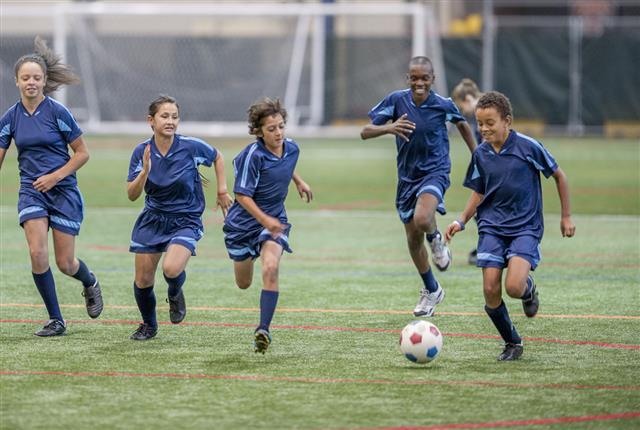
point(440, 253)
point(428, 301)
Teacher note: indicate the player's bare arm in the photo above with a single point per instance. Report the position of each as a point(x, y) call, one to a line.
point(402, 127)
point(272, 224)
point(470, 209)
point(567, 228)
point(467, 135)
point(304, 190)
point(135, 187)
point(79, 158)
point(223, 199)
point(3, 152)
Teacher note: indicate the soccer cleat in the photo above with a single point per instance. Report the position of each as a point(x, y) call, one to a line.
point(512, 351)
point(262, 340)
point(144, 332)
point(440, 253)
point(177, 308)
point(52, 328)
point(428, 301)
point(93, 299)
point(531, 305)
point(473, 257)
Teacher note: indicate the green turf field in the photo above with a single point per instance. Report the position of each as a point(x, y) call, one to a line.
point(346, 292)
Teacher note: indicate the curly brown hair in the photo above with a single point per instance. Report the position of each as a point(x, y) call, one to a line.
point(261, 109)
point(56, 72)
point(498, 101)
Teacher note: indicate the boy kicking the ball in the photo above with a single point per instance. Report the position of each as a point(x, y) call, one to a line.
point(504, 176)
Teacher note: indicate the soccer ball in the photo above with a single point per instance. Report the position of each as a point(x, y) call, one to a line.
point(420, 341)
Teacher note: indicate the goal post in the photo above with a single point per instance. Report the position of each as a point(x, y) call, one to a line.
point(218, 58)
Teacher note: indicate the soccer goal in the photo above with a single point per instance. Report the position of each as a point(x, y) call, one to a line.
point(329, 63)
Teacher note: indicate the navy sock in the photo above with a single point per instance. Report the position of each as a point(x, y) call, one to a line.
point(146, 300)
point(528, 290)
point(84, 275)
point(500, 318)
point(431, 236)
point(175, 284)
point(429, 280)
point(47, 288)
point(268, 302)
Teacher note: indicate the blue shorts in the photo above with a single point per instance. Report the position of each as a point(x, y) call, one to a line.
point(62, 205)
point(407, 194)
point(495, 251)
point(153, 232)
point(243, 244)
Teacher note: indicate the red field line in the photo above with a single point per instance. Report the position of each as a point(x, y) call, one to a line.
point(333, 328)
point(333, 311)
point(518, 423)
point(302, 379)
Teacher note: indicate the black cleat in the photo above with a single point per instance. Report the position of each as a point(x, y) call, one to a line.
point(93, 299)
point(52, 328)
point(261, 341)
point(531, 305)
point(144, 332)
point(177, 308)
point(473, 257)
point(512, 351)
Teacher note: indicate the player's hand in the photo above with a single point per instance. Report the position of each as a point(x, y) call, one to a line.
point(146, 160)
point(567, 227)
point(402, 127)
point(45, 182)
point(224, 202)
point(304, 190)
point(275, 227)
point(451, 231)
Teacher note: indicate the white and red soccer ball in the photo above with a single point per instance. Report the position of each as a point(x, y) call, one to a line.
point(420, 341)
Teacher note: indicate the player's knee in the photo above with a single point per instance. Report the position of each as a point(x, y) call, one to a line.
point(425, 224)
point(491, 292)
point(65, 265)
point(243, 284)
point(513, 289)
point(144, 281)
point(270, 270)
point(171, 270)
point(39, 256)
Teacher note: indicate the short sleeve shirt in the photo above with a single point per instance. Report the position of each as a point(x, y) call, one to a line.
point(42, 139)
point(427, 151)
point(265, 178)
point(510, 183)
point(174, 184)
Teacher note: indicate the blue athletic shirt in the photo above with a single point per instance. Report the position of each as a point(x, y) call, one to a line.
point(427, 151)
point(265, 178)
point(510, 183)
point(42, 139)
point(174, 185)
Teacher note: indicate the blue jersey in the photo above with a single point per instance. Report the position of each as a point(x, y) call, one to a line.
point(427, 151)
point(174, 185)
point(42, 139)
point(510, 183)
point(265, 178)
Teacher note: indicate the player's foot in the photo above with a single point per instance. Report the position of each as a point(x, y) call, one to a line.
point(428, 301)
point(512, 351)
point(144, 332)
point(52, 328)
point(177, 307)
point(93, 299)
point(531, 305)
point(473, 257)
point(262, 340)
point(440, 253)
